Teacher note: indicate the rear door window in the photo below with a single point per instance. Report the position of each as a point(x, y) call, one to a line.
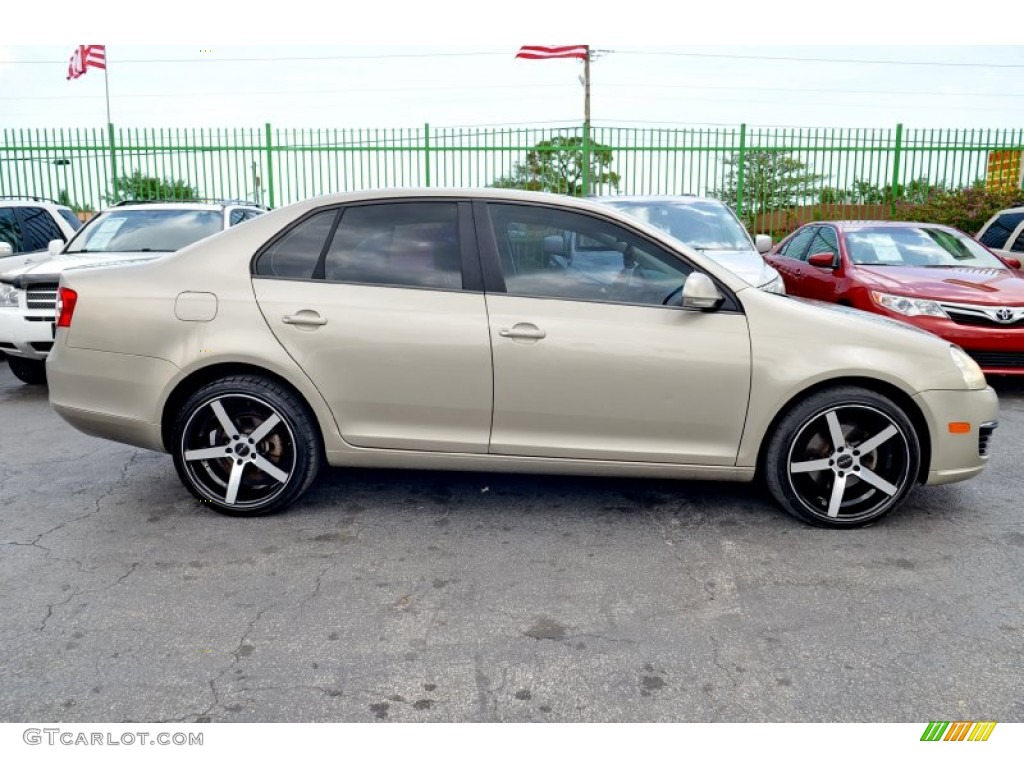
point(1000, 230)
point(38, 229)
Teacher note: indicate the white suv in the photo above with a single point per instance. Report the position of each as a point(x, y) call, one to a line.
point(131, 231)
point(1004, 233)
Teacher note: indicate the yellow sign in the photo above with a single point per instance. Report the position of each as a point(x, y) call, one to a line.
point(1004, 170)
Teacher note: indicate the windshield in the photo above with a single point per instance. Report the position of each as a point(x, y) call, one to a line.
point(703, 224)
point(917, 247)
point(124, 229)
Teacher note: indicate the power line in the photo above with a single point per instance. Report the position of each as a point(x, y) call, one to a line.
point(821, 60)
point(457, 54)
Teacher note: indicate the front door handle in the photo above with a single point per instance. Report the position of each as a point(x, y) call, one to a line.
point(523, 331)
point(305, 317)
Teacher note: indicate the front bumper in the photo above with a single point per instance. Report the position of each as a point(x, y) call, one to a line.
point(26, 334)
point(958, 456)
point(997, 349)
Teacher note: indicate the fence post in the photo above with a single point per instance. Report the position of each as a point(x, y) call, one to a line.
point(270, 168)
point(113, 164)
point(896, 169)
point(586, 158)
point(742, 169)
point(426, 152)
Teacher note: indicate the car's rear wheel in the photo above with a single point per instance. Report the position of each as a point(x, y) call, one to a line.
point(843, 457)
point(28, 370)
point(246, 446)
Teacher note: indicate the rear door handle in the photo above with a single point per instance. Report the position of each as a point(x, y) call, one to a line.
point(523, 331)
point(305, 317)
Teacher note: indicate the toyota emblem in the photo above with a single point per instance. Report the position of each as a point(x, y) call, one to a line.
point(1004, 315)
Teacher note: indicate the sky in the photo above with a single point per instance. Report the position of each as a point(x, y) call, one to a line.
point(401, 65)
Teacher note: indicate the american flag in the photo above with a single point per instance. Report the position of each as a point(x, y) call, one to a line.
point(86, 56)
point(553, 52)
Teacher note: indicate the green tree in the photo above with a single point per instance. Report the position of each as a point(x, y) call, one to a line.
point(772, 181)
point(63, 198)
point(556, 165)
point(966, 209)
point(140, 187)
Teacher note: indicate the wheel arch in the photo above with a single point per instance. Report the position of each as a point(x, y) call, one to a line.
point(894, 393)
point(203, 376)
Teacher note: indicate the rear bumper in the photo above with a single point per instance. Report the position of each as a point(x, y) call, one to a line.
point(109, 395)
point(957, 456)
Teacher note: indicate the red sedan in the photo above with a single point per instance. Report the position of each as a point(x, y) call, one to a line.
point(931, 276)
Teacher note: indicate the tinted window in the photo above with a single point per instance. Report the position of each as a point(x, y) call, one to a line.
point(10, 229)
point(297, 253)
point(824, 241)
point(69, 216)
point(38, 228)
point(237, 216)
point(558, 254)
point(797, 247)
point(1018, 244)
point(127, 229)
point(1001, 229)
point(408, 244)
point(916, 247)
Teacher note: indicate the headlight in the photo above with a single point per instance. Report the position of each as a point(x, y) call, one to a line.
point(8, 295)
point(775, 285)
point(973, 377)
point(908, 306)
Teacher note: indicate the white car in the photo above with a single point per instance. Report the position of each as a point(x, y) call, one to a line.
point(1004, 234)
point(126, 232)
point(709, 226)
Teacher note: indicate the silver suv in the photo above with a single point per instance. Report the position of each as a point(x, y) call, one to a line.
point(130, 231)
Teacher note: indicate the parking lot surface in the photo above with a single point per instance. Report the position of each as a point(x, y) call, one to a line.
point(416, 596)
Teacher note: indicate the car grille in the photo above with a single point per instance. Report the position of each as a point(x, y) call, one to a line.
point(998, 359)
point(985, 317)
point(41, 296)
point(984, 433)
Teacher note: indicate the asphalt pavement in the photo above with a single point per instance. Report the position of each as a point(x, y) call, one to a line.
point(458, 597)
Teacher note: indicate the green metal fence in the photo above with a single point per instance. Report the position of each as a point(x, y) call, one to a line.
point(765, 173)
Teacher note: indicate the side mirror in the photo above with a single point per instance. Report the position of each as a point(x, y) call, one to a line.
point(823, 260)
point(1011, 262)
point(700, 292)
point(763, 243)
point(6, 250)
point(55, 247)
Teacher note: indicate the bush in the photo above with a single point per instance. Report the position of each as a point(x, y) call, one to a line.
point(966, 209)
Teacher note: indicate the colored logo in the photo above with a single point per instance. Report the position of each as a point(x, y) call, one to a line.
point(959, 731)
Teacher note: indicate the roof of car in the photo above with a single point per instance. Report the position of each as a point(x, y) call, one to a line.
point(29, 200)
point(201, 205)
point(863, 223)
point(655, 198)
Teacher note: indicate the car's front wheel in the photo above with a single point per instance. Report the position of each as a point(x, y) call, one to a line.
point(246, 446)
point(28, 370)
point(843, 457)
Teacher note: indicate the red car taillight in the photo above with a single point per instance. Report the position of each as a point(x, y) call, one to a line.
point(66, 299)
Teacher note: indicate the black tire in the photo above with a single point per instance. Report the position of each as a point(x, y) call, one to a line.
point(842, 486)
point(28, 370)
point(225, 467)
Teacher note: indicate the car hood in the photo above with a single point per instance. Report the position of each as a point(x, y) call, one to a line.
point(47, 266)
point(968, 285)
point(746, 264)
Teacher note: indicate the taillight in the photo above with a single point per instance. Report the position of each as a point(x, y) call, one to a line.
point(66, 299)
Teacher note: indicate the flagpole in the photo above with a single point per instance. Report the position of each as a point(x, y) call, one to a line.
point(110, 129)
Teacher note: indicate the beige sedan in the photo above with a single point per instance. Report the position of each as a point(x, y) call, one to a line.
point(457, 329)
